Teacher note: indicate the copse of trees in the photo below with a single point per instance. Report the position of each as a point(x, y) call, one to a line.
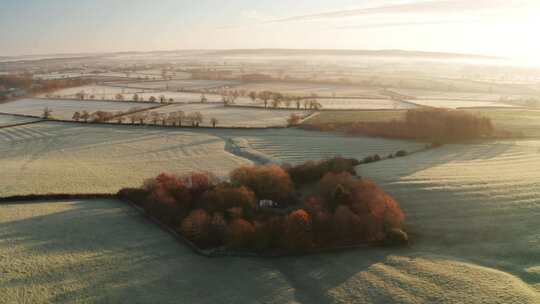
point(263, 209)
point(429, 124)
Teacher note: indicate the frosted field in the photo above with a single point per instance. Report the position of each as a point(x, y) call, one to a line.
point(62, 157)
point(64, 109)
point(102, 251)
point(323, 90)
point(478, 203)
point(7, 120)
point(99, 92)
point(297, 146)
point(342, 104)
point(181, 97)
point(174, 85)
point(456, 104)
point(234, 116)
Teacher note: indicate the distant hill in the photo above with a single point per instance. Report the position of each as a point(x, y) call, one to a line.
point(329, 52)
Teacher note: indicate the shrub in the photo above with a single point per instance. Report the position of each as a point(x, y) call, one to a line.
point(401, 153)
point(311, 171)
point(396, 237)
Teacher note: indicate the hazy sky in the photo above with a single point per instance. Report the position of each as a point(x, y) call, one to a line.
point(495, 27)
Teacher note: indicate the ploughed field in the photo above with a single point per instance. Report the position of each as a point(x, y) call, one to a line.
point(472, 214)
point(64, 109)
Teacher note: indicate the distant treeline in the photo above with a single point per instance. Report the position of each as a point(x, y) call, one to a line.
point(435, 125)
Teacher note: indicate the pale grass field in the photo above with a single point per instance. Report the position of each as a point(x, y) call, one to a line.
point(64, 109)
point(235, 116)
point(102, 251)
point(7, 120)
point(456, 104)
point(71, 158)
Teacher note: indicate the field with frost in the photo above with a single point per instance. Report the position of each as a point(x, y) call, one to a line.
point(7, 120)
point(456, 104)
point(297, 146)
point(342, 104)
point(235, 116)
point(323, 90)
point(174, 85)
point(63, 157)
point(64, 109)
point(99, 92)
point(112, 254)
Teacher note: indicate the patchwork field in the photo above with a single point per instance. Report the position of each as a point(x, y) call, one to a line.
point(7, 120)
point(64, 109)
point(175, 85)
point(70, 158)
point(98, 91)
point(235, 116)
point(323, 90)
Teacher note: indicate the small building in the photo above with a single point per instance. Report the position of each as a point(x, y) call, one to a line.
point(267, 204)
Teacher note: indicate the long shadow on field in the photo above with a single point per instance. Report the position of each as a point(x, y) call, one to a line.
point(400, 167)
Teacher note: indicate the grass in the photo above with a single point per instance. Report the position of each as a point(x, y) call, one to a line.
point(102, 251)
point(64, 109)
point(354, 116)
point(73, 158)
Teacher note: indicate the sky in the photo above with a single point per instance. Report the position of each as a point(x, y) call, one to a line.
point(507, 28)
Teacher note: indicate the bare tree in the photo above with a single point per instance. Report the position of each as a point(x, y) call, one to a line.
point(119, 97)
point(76, 116)
point(152, 99)
point(154, 117)
point(253, 96)
point(214, 122)
point(135, 97)
point(85, 116)
point(203, 98)
point(265, 96)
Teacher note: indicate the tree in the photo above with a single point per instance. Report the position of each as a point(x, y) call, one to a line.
point(214, 122)
point(154, 117)
point(293, 120)
point(119, 117)
point(253, 96)
point(85, 116)
point(152, 99)
point(180, 115)
point(76, 116)
point(196, 118)
point(46, 113)
point(162, 99)
point(119, 97)
point(204, 99)
point(196, 226)
point(265, 96)
point(135, 97)
point(298, 230)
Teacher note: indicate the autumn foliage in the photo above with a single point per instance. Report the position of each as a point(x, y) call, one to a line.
point(429, 124)
point(326, 207)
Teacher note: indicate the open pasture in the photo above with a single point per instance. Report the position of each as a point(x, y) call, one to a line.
point(478, 202)
point(234, 116)
point(112, 254)
point(72, 158)
point(296, 146)
point(457, 104)
point(8, 120)
point(306, 89)
point(175, 85)
point(64, 109)
point(93, 92)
